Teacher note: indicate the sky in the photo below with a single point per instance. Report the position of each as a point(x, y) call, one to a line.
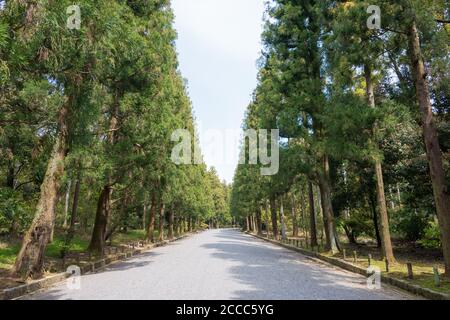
point(219, 43)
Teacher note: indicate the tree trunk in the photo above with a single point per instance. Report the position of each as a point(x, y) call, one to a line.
point(273, 214)
point(30, 260)
point(258, 221)
point(375, 221)
point(434, 153)
point(162, 210)
point(66, 204)
point(171, 221)
point(144, 215)
point(385, 234)
point(332, 243)
point(97, 243)
point(151, 222)
point(267, 218)
point(303, 216)
point(282, 218)
point(350, 235)
point(73, 215)
point(104, 202)
point(312, 217)
point(294, 217)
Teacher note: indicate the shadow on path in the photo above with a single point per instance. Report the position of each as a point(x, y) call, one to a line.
point(276, 273)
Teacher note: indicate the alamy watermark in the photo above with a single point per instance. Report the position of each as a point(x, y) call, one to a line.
point(221, 147)
point(74, 17)
point(374, 21)
point(73, 282)
point(373, 278)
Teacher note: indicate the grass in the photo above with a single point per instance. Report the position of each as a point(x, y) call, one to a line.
point(423, 273)
point(8, 255)
point(130, 236)
point(78, 244)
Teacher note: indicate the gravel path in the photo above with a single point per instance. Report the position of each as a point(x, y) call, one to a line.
point(221, 264)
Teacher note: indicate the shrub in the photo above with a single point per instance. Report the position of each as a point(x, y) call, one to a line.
point(432, 236)
point(410, 224)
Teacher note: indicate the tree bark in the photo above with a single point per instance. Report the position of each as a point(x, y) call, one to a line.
point(434, 153)
point(104, 202)
point(303, 216)
point(312, 217)
point(171, 222)
point(294, 217)
point(73, 215)
point(144, 215)
point(258, 221)
point(282, 218)
point(273, 214)
point(30, 260)
point(332, 243)
point(66, 204)
point(375, 220)
point(97, 243)
point(151, 222)
point(385, 234)
point(162, 216)
point(190, 224)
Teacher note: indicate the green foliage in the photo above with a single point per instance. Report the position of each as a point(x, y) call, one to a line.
point(8, 255)
point(78, 244)
point(431, 238)
point(15, 213)
point(410, 224)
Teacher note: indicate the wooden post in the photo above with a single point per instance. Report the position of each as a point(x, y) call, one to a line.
point(410, 270)
point(387, 265)
point(355, 257)
point(297, 243)
point(344, 252)
point(370, 259)
point(437, 278)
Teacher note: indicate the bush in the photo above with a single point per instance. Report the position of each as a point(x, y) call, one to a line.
point(15, 213)
point(409, 224)
point(432, 237)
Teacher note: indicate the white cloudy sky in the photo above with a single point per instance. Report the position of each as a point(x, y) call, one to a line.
point(218, 45)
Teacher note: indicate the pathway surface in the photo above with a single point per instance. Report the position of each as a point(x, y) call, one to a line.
point(221, 264)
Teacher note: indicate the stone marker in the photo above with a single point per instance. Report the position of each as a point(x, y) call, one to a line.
point(437, 278)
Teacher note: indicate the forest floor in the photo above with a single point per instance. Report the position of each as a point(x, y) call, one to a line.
point(422, 260)
point(9, 248)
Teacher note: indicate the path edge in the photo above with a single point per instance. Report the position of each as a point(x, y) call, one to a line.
point(411, 288)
